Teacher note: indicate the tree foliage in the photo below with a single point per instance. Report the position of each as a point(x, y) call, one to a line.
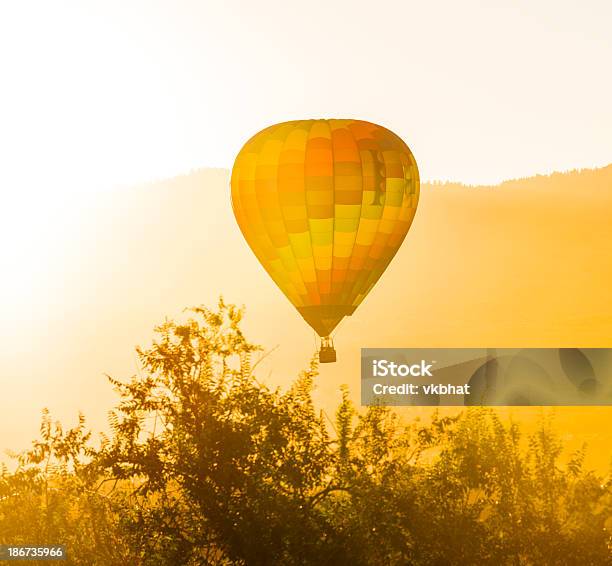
point(205, 465)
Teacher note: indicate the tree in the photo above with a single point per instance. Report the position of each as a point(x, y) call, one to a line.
point(205, 465)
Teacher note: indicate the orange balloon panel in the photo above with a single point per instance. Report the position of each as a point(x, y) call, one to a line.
point(325, 205)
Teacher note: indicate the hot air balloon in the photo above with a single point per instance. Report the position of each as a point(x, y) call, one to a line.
point(325, 205)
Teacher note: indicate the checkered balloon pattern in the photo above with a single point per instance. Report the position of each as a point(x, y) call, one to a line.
point(325, 205)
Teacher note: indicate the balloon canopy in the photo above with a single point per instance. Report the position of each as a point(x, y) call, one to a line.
point(325, 205)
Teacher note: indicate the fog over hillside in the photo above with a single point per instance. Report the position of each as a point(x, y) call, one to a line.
point(525, 263)
point(588, 179)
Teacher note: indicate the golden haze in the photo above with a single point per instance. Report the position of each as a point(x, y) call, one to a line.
point(525, 263)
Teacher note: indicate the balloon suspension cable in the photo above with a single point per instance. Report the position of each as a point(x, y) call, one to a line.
point(327, 353)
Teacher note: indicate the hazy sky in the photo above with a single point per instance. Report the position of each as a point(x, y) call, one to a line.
point(117, 92)
point(94, 94)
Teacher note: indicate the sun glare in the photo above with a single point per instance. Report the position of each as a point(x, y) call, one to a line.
point(80, 116)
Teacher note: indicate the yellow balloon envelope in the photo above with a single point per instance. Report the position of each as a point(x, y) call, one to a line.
point(325, 205)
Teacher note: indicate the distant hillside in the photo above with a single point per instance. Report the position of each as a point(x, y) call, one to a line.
point(590, 179)
point(525, 263)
